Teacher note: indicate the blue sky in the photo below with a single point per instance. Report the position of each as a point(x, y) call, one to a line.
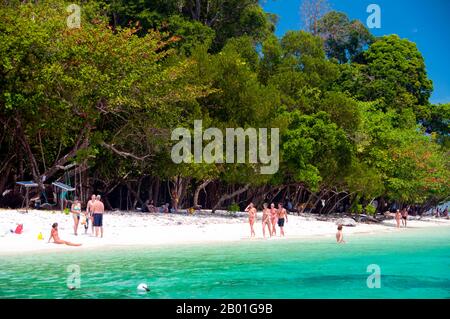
point(425, 22)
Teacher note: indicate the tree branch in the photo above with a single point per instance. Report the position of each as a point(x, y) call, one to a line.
point(226, 196)
point(112, 148)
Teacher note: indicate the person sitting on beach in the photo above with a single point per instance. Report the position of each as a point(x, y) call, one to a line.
point(89, 213)
point(340, 235)
point(282, 216)
point(273, 219)
point(398, 217)
point(76, 211)
point(150, 206)
point(251, 217)
point(54, 235)
point(404, 217)
point(164, 208)
point(266, 220)
point(290, 206)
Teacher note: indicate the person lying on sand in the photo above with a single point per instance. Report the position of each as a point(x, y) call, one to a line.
point(340, 235)
point(150, 206)
point(54, 235)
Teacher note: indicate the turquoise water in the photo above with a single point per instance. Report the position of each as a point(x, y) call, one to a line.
point(413, 263)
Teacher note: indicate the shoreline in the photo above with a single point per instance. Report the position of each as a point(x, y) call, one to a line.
point(135, 229)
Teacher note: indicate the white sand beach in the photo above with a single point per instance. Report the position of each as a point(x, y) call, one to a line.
point(126, 228)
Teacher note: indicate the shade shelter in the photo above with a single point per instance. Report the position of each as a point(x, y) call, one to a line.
point(27, 185)
point(63, 189)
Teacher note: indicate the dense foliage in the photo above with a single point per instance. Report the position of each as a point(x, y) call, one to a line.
point(355, 120)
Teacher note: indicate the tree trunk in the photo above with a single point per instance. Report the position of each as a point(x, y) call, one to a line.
point(307, 202)
point(279, 189)
point(176, 192)
point(156, 191)
point(120, 199)
point(5, 172)
point(259, 196)
point(107, 203)
point(323, 207)
point(297, 196)
point(32, 160)
point(321, 195)
point(197, 10)
point(136, 196)
point(198, 190)
point(229, 196)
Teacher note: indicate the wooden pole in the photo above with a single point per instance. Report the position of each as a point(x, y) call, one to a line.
point(27, 201)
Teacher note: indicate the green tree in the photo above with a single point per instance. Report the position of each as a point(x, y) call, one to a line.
point(395, 71)
point(228, 19)
point(67, 90)
point(315, 150)
point(343, 39)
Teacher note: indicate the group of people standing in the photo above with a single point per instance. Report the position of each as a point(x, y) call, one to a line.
point(93, 214)
point(270, 219)
point(401, 215)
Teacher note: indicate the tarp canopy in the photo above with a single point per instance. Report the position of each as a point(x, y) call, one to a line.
point(63, 186)
point(27, 184)
point(64, 189)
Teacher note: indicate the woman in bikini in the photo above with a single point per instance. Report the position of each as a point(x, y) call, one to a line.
point(266, 221)
point(273, 219)
point(76, 211)
point(54, 235)
point(251, 218)
point(398, 217)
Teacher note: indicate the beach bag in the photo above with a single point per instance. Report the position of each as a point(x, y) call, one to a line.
point(83, 220)
point(19, 229)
